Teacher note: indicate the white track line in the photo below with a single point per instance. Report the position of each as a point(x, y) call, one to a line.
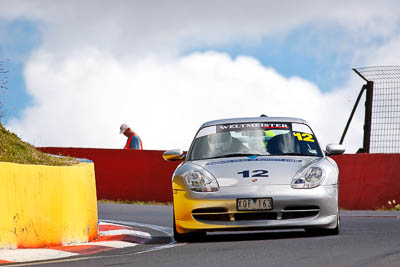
point(55, 259)
point(35, 254)
point(125, 232)
point(114, 244)
point(166, 230)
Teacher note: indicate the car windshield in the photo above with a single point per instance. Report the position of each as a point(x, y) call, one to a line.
point(254, 139)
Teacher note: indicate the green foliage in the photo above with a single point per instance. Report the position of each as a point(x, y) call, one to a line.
point(393, 205)
point(13, 149)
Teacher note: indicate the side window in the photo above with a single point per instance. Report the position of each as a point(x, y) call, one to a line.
point(200, 148)
point(307, 141)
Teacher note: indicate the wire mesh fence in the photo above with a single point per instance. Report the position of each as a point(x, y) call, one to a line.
point(385, 118)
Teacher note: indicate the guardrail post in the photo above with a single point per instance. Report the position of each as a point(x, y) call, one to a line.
point(368, 116)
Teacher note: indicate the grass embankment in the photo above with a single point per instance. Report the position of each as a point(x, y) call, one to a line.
point(13, 149)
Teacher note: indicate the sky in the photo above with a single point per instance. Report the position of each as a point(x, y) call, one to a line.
point(79, 69)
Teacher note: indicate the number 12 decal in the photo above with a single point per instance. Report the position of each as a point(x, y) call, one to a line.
point(255, 173)
point(304, 137)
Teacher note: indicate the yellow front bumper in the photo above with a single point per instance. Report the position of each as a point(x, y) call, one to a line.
point(188, 208)
point(183, 205)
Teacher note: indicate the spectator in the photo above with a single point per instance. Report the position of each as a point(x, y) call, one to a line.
point(134, 141)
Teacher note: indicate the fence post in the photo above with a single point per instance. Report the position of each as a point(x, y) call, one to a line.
point(368, 116)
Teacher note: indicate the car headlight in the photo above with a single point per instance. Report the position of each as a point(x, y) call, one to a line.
point(200, 181)
point(308, 178)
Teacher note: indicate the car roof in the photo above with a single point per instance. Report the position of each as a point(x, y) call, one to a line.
point(253, 119)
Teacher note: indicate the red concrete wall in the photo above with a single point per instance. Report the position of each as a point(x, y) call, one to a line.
point(126, 174)
point(367, 181)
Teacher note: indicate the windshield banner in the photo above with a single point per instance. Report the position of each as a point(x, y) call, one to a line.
point(252, 126)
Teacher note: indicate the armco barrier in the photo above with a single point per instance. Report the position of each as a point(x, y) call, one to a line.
point(367, 181)
point(127, 174)
point(47, 205)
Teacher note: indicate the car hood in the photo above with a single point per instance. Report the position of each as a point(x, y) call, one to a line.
point(265, 170)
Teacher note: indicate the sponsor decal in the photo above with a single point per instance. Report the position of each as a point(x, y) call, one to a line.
point(255, 125)
point(253, 159)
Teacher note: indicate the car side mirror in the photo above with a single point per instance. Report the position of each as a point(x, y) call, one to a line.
point(173, 155)
point(335, 149)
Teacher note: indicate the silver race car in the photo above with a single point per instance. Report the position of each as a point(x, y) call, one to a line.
point(255, 174)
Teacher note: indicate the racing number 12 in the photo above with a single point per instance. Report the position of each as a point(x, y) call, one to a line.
point(304, 137)
point(255, 173)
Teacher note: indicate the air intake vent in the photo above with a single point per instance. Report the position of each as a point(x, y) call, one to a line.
point(302, 208)
point(209, 210)
point(296, 212)
point(212, 217)
point(211, 214)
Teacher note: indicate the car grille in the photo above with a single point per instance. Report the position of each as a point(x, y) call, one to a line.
point(211, 214)
point(222, 214)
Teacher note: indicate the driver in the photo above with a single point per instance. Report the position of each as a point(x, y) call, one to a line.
point(219, 142)
point(224, 144)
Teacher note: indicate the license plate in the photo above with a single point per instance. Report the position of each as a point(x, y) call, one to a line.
point(254, 203)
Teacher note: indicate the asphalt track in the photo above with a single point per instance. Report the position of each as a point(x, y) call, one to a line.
point(367, 239)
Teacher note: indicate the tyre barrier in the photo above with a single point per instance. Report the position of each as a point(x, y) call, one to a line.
point(47, 205)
